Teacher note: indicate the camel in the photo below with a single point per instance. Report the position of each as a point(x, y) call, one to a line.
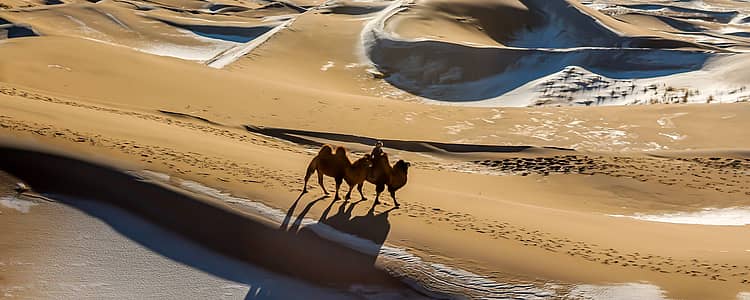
point(382, 174)
point(334, 162)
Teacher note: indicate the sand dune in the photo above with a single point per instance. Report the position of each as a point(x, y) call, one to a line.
point(155, 30)
point(631, 176)
point(558, 149)
point(555, 37)
point(206, 153)
point(717, 23)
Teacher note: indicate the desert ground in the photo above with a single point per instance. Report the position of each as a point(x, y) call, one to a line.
point(559, 149)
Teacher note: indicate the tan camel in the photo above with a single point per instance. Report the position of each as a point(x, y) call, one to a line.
point(334, 162)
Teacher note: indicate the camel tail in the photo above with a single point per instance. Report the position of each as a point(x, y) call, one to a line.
point(311, 168)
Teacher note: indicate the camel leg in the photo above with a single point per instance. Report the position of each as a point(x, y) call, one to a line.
point(304, 188)
point(359, 188)
point(320, 182)
point(349, 194)
point(338, 185)
point(393, 195)
point(378, 189)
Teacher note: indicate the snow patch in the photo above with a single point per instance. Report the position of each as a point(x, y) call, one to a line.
point(640, 291)
point(732, 216)
point(54, 66)
point(23, 206)
point(327, 66)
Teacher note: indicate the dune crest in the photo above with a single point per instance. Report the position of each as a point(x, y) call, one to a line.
point(516, 57)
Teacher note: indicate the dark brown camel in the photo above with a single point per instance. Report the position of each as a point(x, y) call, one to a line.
point(382, 174)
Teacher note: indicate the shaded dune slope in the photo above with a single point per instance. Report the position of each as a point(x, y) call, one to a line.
point(148, 27)
point(716, 23)
point(9, 30)
point(301, 254)
point(532, 39)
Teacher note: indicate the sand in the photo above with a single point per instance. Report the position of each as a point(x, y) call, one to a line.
point(608, 160)
point(86, 249)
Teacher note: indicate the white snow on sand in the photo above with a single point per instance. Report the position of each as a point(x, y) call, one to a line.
point(626, 291)
point(182, 43)
point(197, 53)
point(99, 251)
point(327, 66)
point(23, 206)
point(733, 216)
point(554, 68)
point(234, 53)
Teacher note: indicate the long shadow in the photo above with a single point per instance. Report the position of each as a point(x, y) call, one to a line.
point(15, 31)
point(290, 213)
point(366, 233)
point(342, 216)
point(298, 136)
point(371, 227)
point(298, 222)
point(262, 283)
point(227, 33)
point(215, 227)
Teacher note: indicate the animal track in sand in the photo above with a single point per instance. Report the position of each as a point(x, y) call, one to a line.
point(497, 229)
point(181, 161)
point(169, 157)
point(215, 130)
point(178, 161)
point(720, 174)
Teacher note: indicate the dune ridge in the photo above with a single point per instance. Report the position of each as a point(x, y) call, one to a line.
point(559, 36)
point(155, 29)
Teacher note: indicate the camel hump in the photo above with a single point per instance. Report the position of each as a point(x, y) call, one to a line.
point(341, 151)
point(326, 149)
point(382, 158)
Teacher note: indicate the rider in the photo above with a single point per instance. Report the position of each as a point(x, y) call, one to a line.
point(378, 150)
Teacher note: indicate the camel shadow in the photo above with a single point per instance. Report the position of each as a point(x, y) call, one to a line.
point(371, 227)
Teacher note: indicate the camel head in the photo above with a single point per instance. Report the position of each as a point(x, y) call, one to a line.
point(402, 165)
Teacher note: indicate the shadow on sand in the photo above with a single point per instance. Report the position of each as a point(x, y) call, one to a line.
point(301, 137)
point(371, 226)
point(303, 254)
